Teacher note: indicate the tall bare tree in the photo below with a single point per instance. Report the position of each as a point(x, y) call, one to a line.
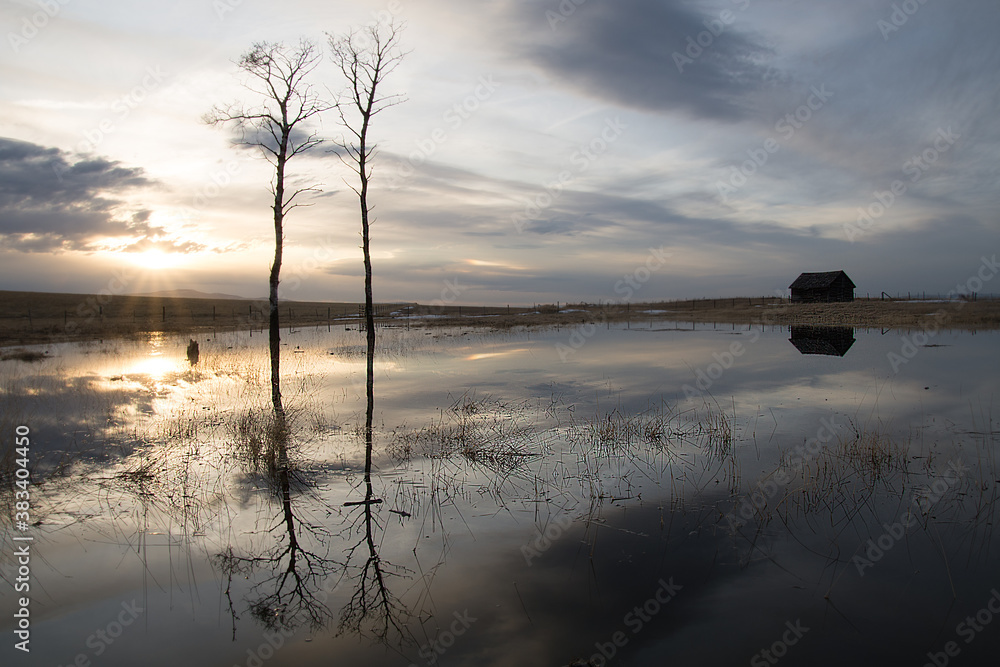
point(278, 125)
point(365, 58)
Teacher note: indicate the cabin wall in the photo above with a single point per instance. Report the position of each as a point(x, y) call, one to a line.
point(834, 293)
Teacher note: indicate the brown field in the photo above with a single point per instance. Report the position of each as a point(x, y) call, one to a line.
point(37, 317)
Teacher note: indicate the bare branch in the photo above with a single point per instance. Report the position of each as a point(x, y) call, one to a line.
point(277, 74)
point(365, 58)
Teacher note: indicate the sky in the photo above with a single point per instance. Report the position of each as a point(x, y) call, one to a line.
point(570, 150)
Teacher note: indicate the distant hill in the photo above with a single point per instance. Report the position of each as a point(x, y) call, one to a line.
point(192, 294)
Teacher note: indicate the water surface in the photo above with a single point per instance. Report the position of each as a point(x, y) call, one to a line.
point(662, 494)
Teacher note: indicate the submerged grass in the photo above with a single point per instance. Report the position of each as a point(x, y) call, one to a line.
point(865, 484)
point(482, 431)
point(618, 429)
point(659, 426)
point(27, 356)
point(253, 431)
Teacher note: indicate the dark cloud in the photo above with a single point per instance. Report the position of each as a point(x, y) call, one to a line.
point(938, 70)
point(50, 202)
point(892, 88)
point(33, 175)
point(638, 54)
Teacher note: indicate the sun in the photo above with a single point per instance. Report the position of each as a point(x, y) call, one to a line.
point(156, 260)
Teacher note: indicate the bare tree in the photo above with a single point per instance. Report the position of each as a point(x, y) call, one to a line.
point(277, 126)
point(365, 58)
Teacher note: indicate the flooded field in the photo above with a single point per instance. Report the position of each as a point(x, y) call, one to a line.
point(670, 493)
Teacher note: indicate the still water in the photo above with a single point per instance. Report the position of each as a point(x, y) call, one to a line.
point(664, 494)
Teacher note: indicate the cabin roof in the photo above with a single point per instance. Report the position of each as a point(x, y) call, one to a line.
point(819, 280)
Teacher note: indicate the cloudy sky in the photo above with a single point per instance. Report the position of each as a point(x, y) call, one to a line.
point(543, 150)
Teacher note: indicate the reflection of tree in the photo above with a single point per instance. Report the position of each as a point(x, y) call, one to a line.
point(372, 609)
point(292, 594)
point(297, 572)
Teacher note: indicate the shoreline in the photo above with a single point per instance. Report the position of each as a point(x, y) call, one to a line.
point(28, 318)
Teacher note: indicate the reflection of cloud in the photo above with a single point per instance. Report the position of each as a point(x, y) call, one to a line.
point(491, 355)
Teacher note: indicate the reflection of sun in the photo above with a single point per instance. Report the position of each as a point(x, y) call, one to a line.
point(156, 367)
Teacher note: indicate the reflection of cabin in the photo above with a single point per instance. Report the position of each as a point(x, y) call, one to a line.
point(829, 286)
point(832, 341)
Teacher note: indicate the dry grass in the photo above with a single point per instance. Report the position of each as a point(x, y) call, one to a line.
point(40, 317)
point(31, 317)
point(864, 313)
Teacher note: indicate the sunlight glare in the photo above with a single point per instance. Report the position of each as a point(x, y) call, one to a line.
point(155, 364)
point(155, 367)
point(156, 260)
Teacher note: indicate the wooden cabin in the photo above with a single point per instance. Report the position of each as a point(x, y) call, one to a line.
point(831, 286)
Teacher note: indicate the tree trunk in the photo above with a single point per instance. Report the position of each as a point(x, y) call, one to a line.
point(274, 334)
point(366, 251)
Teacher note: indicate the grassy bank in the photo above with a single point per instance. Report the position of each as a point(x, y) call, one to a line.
point(36, 317)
